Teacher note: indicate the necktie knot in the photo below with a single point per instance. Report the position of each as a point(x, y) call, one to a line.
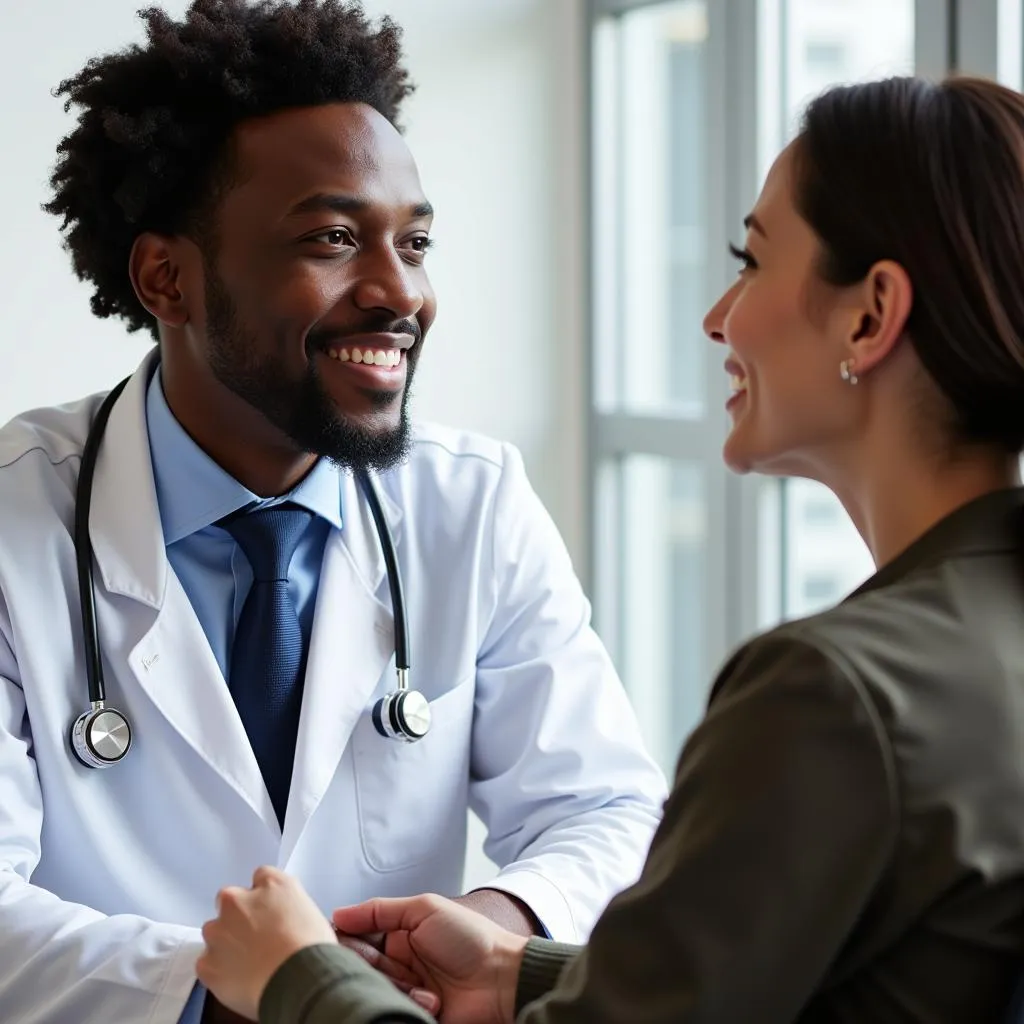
point(268, 538)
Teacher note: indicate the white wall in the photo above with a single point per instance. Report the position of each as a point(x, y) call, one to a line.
point(496, 125)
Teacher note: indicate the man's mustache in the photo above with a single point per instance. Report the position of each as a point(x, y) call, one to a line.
point(320, 341)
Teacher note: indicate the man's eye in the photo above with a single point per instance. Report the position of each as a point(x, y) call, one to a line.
point(336, 236)
point(422, 243)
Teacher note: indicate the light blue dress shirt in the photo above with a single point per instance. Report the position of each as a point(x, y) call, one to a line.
point(193, 493)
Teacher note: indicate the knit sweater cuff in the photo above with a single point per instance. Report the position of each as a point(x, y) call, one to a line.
point(543, 963)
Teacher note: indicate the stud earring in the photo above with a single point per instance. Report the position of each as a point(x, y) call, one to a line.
point(846, 371)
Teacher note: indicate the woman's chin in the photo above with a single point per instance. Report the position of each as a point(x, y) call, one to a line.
point(743, 457)
point(737, 465)
point(737, 453)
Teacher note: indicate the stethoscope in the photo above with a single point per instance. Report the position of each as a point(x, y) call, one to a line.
point(102, 736)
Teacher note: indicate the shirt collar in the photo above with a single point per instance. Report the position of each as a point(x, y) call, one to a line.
point(193, 491)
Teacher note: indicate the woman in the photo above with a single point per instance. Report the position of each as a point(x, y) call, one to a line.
point(845, 838)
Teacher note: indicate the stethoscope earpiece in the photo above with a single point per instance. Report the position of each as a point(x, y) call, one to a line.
point(101, 736)
point(402, 715)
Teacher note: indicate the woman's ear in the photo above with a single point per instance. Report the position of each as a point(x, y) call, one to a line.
point(879, 315)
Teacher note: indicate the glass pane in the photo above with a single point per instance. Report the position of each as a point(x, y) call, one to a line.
point(1009, 41)
point(824, 556)
point(819, 43)
point(833, 41)
point(651, 212)
point(662, 578)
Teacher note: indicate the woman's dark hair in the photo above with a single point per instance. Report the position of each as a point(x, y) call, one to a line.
point(151, 148)
point(932, 177)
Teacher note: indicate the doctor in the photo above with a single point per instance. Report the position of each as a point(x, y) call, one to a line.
point(236, 186)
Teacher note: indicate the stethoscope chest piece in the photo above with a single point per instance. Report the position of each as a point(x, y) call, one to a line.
point(101, 737)
point(402, 715)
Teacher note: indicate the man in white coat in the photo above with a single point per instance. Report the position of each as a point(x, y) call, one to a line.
point(237, 187)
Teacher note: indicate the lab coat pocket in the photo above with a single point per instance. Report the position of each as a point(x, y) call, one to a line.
point(413, 797)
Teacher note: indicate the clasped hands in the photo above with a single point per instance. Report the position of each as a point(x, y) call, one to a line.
point(453, 962)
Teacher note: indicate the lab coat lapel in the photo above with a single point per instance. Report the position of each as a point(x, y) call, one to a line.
point(161, 639)
point(352, 646)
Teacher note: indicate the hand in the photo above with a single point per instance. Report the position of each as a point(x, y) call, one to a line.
point(470, 962)
point(255, 931)
point(371, 949)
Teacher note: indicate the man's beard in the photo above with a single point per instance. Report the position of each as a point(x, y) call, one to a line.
point(302, 409)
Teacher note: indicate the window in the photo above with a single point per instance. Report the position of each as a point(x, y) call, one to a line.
point(659, 545)
point(652, 207)
point(821, 587)
point(838, 42)
point(1009, 43)
point(654, 500)
point(826, 58)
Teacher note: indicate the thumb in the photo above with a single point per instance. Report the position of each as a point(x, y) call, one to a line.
point(385, 915)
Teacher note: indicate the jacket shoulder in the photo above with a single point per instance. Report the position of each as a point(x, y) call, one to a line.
point(54, 434)
point(441, 445)
point(449, 464)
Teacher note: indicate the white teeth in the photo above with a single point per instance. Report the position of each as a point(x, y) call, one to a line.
point(738, 383)
point(382, 357)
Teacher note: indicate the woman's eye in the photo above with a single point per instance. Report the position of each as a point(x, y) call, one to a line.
point(421, 243)
point(745, 256)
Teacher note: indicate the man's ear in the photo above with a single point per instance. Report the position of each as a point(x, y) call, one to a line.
point(157, 275)
point(879, 317)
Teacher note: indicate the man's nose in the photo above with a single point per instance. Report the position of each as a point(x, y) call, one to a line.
point(387, 282)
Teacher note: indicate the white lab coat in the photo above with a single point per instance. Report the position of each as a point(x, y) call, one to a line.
point(106, 875)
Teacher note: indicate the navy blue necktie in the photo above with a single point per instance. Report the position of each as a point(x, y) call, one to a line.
point(268, 656)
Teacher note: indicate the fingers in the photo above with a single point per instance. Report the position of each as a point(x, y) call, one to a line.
point(267, 875)
point(229, 896)
point(386, 915)
point(430, 1002)
point(403, 978)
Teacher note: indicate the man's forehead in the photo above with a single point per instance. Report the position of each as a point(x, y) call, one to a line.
point(307, 146)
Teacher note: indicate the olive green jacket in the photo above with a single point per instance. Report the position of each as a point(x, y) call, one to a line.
point(844, 841)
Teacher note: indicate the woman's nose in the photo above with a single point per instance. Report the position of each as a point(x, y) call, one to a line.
point(714, 321)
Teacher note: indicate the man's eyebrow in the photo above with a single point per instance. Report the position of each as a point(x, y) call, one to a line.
point(334, 202)
point(751, 222)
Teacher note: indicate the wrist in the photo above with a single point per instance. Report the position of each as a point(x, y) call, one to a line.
point(507, 960)
point(504, 909)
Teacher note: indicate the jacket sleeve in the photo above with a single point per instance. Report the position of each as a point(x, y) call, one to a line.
point(332, 985)
point(782, 821)
point(560, 778)
point(62, 962)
